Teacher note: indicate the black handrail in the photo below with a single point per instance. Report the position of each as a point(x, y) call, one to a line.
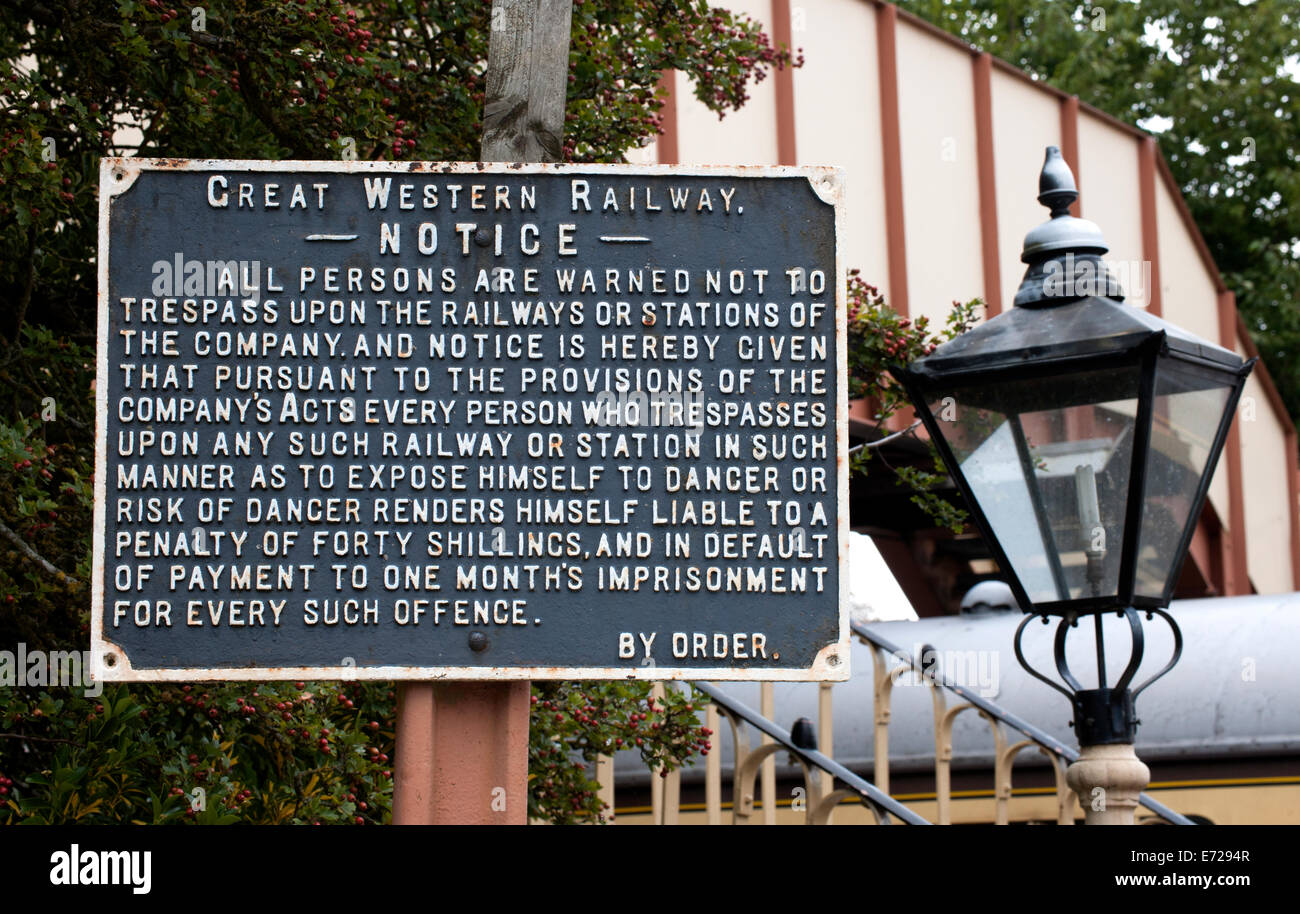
point(1041, 737)
point(865, 789)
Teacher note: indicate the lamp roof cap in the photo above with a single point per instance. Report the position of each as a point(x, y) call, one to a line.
point(1063, 232)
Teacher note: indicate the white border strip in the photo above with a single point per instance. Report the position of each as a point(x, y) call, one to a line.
point(116, 175)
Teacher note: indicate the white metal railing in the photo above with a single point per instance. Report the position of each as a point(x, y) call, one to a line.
point(754, 766)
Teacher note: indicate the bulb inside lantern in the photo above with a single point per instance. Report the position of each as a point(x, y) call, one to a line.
point(1085, 489)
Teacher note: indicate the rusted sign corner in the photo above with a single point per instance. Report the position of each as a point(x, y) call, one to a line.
point(117, 175)
point(828, 184)
point(831, 663)
point(109, 662)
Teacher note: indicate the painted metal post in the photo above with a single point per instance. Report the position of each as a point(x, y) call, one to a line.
point(462, 747)
point(462, 754)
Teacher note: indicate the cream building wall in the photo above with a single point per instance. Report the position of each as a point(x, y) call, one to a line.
point(839, 43)
point(1267, 505)
point(1032, 118)
point(940, 180)
point(863, 60)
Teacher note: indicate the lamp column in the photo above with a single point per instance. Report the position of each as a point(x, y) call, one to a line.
point(1108, 781)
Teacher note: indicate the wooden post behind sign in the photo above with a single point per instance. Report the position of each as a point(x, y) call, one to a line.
point(462, 747)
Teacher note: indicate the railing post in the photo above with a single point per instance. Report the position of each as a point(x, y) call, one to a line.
point(1064, 796)
point(742, 807)
point(767, 707)
point(673, 797)
point(665, 790)
point(880, 697)
point(713, 766)
point(1001, 773)
point(605, 778)
point(656, 798)
point(740, 752)
point(825, 732)
point(943, 720)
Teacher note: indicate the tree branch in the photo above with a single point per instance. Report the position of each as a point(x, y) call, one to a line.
point(263, 112)
point(22, 546)
point(43, 739)
point(29, 282)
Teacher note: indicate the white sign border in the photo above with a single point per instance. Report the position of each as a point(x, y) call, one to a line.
point(111, 664)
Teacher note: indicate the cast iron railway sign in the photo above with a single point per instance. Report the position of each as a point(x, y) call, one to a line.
point(420, 420)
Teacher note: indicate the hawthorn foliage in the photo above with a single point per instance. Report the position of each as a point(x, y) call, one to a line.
point(205, 753)
point(573, 722)
point(880, 340)
point(306, 79)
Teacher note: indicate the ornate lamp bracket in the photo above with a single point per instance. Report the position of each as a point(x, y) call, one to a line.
point(1105, 715)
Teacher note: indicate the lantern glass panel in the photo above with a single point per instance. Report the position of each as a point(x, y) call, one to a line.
point(1049, 461)
point(1188, 410)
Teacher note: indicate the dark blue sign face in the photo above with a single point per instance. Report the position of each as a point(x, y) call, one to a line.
point(418, 421)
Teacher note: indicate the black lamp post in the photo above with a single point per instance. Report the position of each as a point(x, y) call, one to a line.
point(1084, 434)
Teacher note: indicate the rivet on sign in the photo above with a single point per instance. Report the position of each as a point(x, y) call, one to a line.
point(481, 238)
point(648, 320)
point(478, 642)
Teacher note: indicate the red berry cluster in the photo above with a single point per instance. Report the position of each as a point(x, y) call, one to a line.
point(878, 337)
point(573, 723)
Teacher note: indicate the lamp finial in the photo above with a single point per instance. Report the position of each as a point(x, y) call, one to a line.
point(1056, 187)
